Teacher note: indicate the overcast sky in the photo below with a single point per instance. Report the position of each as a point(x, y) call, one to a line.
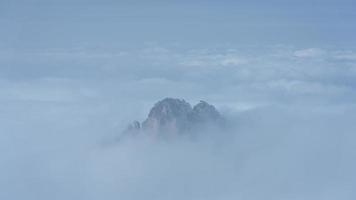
point(74, 73)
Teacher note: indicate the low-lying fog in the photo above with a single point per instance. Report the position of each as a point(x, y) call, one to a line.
point(275, 152)
point(74, 74)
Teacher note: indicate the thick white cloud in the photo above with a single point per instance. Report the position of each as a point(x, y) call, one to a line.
point(274, 153)
point(309, 53)
point(293, 136)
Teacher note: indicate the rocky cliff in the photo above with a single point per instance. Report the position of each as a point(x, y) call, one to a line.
point(172, 117)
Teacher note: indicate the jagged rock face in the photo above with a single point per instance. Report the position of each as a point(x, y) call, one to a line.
point(135, 125)
point(204, 113)
point(133, 129)
point(171, 117)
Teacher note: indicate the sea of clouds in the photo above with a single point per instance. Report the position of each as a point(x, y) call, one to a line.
point(292, 111)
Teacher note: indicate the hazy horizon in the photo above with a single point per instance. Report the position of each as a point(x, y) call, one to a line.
point(74, 74)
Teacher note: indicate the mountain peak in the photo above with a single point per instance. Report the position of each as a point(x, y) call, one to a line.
point(169, 108)
point(204, 112)
point(171, 116)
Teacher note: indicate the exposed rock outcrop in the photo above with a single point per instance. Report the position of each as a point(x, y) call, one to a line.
point(172, 117)
point(205, 113)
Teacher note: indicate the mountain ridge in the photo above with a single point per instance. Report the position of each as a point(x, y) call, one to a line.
point(172, 117)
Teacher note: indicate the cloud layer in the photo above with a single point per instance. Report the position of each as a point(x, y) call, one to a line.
point(293, 109)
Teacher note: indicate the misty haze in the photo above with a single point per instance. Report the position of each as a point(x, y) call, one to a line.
point(177, 100)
